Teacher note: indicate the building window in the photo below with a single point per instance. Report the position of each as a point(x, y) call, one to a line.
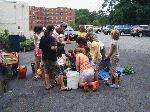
point(18, 27)
point(61, 13)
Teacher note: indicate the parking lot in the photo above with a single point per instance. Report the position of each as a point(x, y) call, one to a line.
point(28, 95)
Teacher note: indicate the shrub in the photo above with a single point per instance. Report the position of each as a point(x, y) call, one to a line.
point(27, 44)
point(4, 39)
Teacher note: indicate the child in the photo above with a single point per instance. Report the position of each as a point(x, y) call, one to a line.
point(114, 59)
point(71, 60)
point(95, 48)
point(83, 66)
point(82, 32)
point(61, 60)
point(37, 51)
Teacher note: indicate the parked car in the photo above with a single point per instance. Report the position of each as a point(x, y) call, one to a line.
point(70, 32)
point(140, 30)
point(97, 29)
point(107, 29)
point(123, 29)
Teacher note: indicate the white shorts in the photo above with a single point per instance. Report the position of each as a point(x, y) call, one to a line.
point(86, 75)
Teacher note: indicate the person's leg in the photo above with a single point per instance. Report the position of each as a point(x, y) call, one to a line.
point(111, 75)
point(61, 80)
point(83, 82)
point(37, 65)
point(47, 74)
point(93, 79)
point(117, 80)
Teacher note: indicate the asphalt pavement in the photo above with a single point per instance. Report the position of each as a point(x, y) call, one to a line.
point(28, 95)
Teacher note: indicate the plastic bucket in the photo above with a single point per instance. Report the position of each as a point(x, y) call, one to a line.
point(72, 79)
point(22, 73)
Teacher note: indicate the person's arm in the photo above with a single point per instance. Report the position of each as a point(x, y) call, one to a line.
point(35, 42)
point(95, 54)
point(40, 44)
point(77, 63)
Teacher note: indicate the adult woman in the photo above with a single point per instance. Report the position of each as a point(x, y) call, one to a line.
point(48, 45)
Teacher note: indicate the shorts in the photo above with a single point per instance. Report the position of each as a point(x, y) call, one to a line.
point(50, 67)
point(86, 75)
point(38, 52)
point(61, 69)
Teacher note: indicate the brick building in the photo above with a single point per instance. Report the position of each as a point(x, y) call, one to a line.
point(46, 16)
point(37, 17)
point(61, 14)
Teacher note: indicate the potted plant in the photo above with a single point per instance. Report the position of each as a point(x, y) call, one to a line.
point(22, 70)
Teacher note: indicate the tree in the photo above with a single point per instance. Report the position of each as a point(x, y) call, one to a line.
point(128, 11)
point(82, 17)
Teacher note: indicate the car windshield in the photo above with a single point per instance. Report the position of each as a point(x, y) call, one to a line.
point(110, 26)
point(144, 27)
point(69, 29)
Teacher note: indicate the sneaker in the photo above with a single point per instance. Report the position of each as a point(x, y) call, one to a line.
point(114, 86)
point(108, 83)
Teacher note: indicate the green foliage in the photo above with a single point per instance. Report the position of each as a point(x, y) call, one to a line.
point(27, 44)
point(72, 24)
point(84, 17)
point(4, 36)
point(128, 70)
point(128, 11)
point(4, 39)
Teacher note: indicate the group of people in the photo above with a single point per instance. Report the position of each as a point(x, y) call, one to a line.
point(86, 58)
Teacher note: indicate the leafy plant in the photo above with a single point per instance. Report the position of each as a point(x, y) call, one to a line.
point(4, 38)
point(27, 44)
point(128, 70)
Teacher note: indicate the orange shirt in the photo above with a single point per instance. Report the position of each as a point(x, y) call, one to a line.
point(82, 62)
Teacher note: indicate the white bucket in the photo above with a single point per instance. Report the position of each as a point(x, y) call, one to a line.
point(72, 79)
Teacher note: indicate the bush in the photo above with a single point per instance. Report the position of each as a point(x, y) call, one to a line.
point(27, 44)
point(4, 39)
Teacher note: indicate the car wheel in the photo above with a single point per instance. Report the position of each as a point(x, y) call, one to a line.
point(140, 34)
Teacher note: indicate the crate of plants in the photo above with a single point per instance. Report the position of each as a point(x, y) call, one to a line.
point(9, 63)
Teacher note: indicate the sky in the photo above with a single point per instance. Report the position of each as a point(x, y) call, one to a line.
point(92, 5)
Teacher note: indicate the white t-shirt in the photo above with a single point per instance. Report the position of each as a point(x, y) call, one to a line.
point(61, 60)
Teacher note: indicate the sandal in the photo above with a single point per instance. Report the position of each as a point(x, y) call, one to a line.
point(85, 87)
point(95, 86)
point(66, 89)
